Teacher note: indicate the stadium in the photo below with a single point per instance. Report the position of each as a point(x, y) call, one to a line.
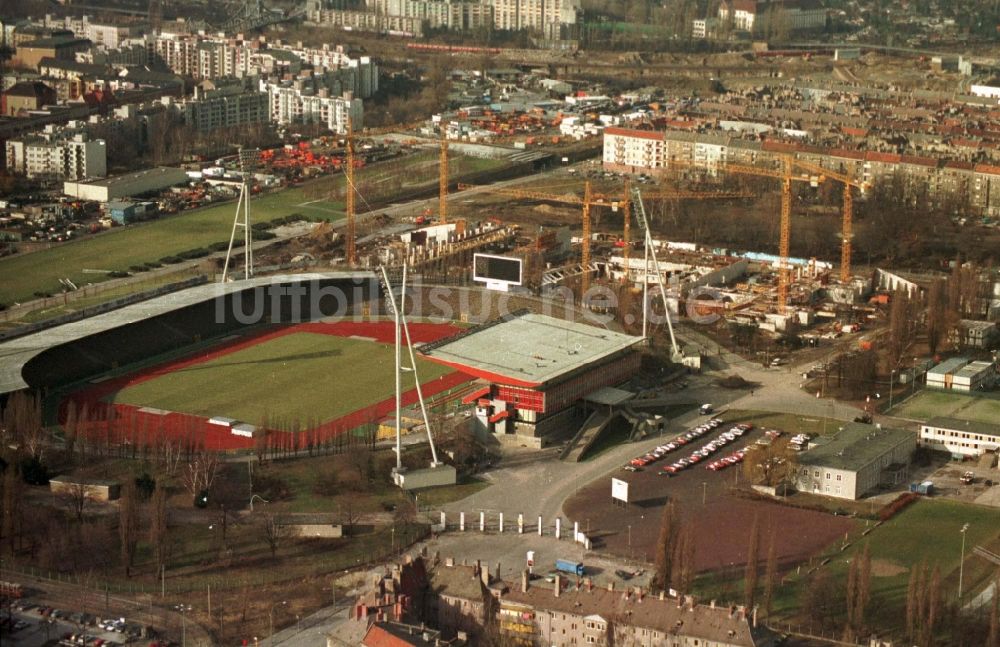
point(293, 362)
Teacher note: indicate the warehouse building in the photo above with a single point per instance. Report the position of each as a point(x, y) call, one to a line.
point(857, 460)
point(960, 437)
point(538, 367)
point(123, 186)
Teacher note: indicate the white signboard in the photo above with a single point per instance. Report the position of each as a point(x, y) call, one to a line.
point(619, 490)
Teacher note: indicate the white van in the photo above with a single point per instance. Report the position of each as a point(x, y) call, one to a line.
point(706, 409)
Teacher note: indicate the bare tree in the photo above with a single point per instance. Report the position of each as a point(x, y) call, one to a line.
point(13, 509)
point(771, 464)
point(937, 315)
point(683, 576)
point(770, 575)
point(76, 498)
point(128, 523)
point(750, 573)
point(273, 531)
point(665, 547)
point(349, 514)
point(158, 526)
point(200, 472)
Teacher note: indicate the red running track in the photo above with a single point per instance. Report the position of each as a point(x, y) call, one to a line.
point(118, 424)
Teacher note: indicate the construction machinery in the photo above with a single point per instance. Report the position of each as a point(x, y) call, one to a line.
point(591, 199)
point(350, 211)
point(815, 175)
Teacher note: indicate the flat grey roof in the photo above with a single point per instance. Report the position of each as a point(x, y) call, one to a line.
point(965, 426)
point(610, 396)
point(973, 369)
point(948, 366)
point(530, 349)
point(14, 354)
point(855, 446)
point(168, 171)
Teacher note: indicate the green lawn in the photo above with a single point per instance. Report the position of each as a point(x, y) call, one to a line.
point(40, 271)
point(929, 404)
point(297, 376)
point(786, 422)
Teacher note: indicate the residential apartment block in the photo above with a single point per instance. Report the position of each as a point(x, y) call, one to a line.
point(437, 14)
point(100, 34)
point(975, 186)
point(57, 156)
point(760, 17)
point(301, 102)
point(566, 616)
point(222, 105)
point(960, 437)
point(545, 16)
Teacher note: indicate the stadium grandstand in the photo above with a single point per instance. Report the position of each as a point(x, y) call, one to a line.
point(90, 347)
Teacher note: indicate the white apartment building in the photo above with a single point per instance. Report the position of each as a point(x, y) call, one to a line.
point(73, 158)
point(960, 437)
point(299, 103)
point(755, 16)
point(545, 16)
point(634, 151)
point(101, 35)
point(226, 106)
point(437, 13)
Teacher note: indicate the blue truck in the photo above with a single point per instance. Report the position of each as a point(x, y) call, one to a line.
point(567, 566)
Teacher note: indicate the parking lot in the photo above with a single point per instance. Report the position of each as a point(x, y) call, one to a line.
point(720, 518)
point(31, 625)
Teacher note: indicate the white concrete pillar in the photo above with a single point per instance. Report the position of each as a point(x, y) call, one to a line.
point(444, 521)
point(520, 524)
point(558, 527)
point(501, 523)
point(576, 531)
point(461, 521)
point(482, 522)
point(539, 525)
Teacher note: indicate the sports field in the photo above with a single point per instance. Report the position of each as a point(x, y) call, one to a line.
point(929, 404)
point(300, 376)
point(120, 248)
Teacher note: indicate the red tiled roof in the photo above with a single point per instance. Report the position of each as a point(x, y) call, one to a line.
point(889, 158)
point(959, 164)
point(630, 132)
point(843, 152)
point(376, 636)
point(918, 161)
point(988, 168)
point(780, 147)
point(854, 132)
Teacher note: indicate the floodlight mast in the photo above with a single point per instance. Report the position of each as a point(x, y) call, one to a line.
point(650, 252)
point(249, 158)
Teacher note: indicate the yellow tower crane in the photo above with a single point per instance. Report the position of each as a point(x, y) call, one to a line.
point(591, 199)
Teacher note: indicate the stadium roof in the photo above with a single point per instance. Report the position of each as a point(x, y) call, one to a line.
point(15, 353)
point(855, 446)
point(528, 350)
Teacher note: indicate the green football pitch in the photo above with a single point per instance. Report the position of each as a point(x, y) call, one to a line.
point(931, 404)
point(301, 376)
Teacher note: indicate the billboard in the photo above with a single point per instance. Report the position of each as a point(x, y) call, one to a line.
point(619, 490)
point(497, 272)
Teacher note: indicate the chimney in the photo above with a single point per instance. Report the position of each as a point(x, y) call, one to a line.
point(663, 595)
point(524, 581)
point(558, 585)
point(449, 561)
point(611, 586)
point(638, 593)
point(484, 575)
point(754, 616)
point(690, 602)
point(712, 604)
point(590, 585)
point(478, 567)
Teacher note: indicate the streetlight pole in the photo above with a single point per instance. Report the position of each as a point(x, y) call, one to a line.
point(961, 564)
point(704, 491)
point(270, 618)
point(892, 374)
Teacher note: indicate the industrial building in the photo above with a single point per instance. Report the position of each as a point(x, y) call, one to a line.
point(976, 376)
point(538, 367)
point(123, 186)
point(970, 333)
point(855, 461)
point(960, 437)
point(759, 17)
